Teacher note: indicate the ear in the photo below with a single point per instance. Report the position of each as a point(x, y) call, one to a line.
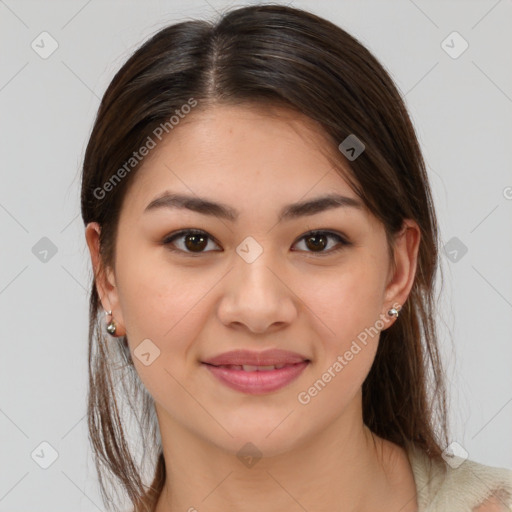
point(403, 269)
point(105, 278)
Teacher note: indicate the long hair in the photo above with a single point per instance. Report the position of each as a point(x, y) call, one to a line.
point(272, 55)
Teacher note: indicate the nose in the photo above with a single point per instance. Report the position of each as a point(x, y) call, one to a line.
point(256, 297)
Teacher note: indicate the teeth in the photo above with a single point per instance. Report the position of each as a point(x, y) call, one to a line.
point(249, 368)
point(252, 368)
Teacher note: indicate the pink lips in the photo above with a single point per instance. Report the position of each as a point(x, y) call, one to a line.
point(265, 358)
point(255, 379)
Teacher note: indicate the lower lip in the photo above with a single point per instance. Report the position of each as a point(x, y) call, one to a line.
point(257, 383)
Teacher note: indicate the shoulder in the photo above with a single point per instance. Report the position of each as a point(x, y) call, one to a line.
point(460, 484)
point(493, 504)
point(487, 488)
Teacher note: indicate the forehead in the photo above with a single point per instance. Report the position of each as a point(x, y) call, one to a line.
point(242, 152)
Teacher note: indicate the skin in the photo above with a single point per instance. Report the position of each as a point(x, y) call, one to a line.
point(318, 456)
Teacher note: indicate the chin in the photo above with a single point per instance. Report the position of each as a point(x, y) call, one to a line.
point(264, 437)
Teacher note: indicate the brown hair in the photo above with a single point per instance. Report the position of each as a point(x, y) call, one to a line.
point(288, 57)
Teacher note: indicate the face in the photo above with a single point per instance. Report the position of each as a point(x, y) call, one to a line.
point(252, 280)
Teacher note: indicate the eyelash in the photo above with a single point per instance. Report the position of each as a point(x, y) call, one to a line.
point(173, 236)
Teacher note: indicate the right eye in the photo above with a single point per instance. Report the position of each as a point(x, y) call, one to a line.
point(193, 241)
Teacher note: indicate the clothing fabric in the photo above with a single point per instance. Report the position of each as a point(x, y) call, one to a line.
point(461, 485)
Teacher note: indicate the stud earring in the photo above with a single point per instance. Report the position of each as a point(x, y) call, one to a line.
point(394, 311)
point(111, 326)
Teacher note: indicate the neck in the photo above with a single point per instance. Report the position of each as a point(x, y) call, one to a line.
point(344, 467)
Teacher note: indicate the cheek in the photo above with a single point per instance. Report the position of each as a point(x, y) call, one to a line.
point(167, 312)
point(347, 316)
point(157, 301)
point(347, 302)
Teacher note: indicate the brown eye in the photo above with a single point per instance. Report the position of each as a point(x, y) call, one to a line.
point(192, 241)
point(317, 241)
point(196, 242)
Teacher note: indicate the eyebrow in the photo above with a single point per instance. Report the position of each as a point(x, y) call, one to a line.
point(292, 211)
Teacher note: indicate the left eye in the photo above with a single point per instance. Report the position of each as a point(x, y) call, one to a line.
point(319, 240)
point(195, 241)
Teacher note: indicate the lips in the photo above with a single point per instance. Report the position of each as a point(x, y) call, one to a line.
point(257, 382)
point(256, 361)
point(256, 373)
point(252, 368)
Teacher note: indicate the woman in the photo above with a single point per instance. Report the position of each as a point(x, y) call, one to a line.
point(264, 246)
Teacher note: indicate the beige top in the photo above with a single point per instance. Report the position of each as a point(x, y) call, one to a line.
point(464, 486)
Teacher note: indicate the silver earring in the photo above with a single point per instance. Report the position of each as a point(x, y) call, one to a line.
point(111, 326)
point(394, 311)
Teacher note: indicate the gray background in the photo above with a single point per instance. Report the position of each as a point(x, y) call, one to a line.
point(461, 108)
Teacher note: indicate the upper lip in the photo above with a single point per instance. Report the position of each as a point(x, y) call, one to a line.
point(265, 358)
